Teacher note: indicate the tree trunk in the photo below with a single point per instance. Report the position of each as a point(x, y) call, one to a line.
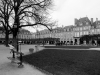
point(15, 31)
point(15, 42)
point(6, 38)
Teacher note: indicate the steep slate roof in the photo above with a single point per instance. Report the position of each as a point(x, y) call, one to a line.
point(83, 21)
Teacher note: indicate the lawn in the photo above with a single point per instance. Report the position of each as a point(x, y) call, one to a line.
point(66, 62)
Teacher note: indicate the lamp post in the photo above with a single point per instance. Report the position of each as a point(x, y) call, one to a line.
point(16, 33)
point(19, 43)
point(38, 36)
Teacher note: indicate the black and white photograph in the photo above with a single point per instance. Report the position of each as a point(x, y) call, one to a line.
point(49, 37)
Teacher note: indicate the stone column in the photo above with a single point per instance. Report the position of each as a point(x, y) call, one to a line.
point(73, 41)
point(84, 42)
point(78, 41)
point(90, 42)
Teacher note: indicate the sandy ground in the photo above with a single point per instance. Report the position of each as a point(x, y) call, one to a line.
point(8, 68)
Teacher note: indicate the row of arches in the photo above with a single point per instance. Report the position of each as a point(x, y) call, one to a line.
point(33, 41)
point(90, 39)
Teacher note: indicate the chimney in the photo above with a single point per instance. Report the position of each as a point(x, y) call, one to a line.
point(96, 21)
point(91, 20)
point(75, 20)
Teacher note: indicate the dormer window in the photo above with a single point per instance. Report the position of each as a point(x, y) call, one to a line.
point(87, 23)
point(80, 24)
point(98, 22)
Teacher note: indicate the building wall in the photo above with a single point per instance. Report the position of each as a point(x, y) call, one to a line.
point(83, 26)
point(23, 34)
point(65, 34)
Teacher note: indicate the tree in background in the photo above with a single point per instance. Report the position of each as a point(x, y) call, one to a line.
point(27, 13)
point(5, 13)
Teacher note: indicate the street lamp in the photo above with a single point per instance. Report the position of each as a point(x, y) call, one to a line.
point(19, 43)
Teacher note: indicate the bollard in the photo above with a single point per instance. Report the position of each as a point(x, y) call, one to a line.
point(37, 48)
point(31, 50)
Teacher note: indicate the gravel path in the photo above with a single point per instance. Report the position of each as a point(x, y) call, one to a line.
point(7, 68)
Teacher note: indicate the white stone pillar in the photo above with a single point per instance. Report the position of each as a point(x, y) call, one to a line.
point(73, 41)
point(90, 42)
point(78, 41)
point(84, 42)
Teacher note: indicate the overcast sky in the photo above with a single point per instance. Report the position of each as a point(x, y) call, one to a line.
point(65, 11)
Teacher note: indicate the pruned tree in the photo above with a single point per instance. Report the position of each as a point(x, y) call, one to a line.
point(28, 13)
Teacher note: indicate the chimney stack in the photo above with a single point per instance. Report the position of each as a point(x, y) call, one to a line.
point(96, 21)
point(76, 21)
point(91, 20)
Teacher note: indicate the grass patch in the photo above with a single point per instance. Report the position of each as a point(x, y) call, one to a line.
point(66, 62)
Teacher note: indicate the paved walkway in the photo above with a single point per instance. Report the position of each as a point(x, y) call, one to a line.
point(7, 68)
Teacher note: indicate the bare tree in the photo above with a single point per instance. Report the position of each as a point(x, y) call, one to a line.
point(5, 12)
point(34, 10)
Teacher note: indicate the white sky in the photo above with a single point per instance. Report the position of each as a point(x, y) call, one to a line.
point(65, 11)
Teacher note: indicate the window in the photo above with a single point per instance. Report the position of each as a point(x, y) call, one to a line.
point(77, 34)
point(67, 29)
point(89, 27)
point(98, 22)
point(80, 24)
point(87, 32)
point(78, 29)
point(21, 36)
point(92, 30)
point(87, 23)
point(84, 28)
point(75, 29)
point(70, 29)
point(64, 30)
point(81, 28)
point(95, 31)
point(80, 33)
point(98, 30)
